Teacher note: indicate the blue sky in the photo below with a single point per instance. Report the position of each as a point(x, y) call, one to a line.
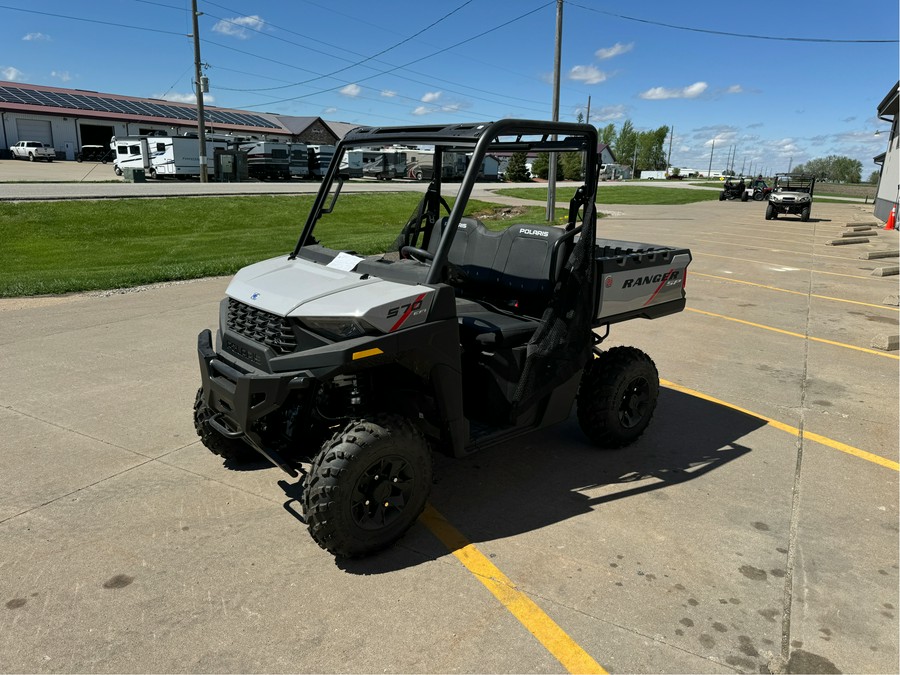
point(774, 101)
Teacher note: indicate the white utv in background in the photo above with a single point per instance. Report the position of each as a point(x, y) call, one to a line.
point(457, 338)
point(791, 194)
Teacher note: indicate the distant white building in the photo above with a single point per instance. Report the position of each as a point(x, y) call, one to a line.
point(889, 180)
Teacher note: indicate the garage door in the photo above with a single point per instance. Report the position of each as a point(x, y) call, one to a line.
point(35, 130)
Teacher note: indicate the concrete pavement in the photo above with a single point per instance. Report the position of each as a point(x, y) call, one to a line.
point(751, 529)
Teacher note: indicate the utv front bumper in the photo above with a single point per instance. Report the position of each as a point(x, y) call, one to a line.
point(239, 396)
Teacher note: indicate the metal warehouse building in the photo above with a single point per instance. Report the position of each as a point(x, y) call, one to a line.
point(67, 119)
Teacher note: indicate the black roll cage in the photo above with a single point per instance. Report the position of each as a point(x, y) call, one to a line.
point(502, 136)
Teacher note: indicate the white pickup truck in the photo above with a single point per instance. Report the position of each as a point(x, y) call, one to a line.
point(32, 150)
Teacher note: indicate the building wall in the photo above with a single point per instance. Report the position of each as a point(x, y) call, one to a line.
point(317, 134)
point(67, 136)
point(888, 182)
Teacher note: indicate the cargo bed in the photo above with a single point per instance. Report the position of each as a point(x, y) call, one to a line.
point(637, 280)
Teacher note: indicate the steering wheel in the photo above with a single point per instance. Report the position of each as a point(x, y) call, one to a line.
point(417, 254)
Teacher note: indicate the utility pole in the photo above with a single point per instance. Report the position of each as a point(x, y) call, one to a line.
point(669, 158)
point(709, 172)
point(201, 122)
point(551, 176)
point(790, 164)
point(587, 118)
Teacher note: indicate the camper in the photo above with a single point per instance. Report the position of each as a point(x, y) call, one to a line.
point(385, 164)
point(319, 159)
point(298, 160)
point(163, 156)
point(352, 164)
point(420, 164)
point(267, 160)
point(130, 152)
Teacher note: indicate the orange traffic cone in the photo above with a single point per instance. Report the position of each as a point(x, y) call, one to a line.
point(892, 220)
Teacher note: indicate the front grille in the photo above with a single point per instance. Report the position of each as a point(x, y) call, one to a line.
point(269, 329)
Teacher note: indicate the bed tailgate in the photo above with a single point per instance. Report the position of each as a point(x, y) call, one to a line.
point(637, 280)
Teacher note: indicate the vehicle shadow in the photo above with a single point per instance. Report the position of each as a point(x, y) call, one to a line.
point(544, 478)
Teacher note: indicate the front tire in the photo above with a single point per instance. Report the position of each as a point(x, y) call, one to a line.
point(227, 448)
point(770, 212)
point(367, 486)
point(804, 214)
point(617, 397)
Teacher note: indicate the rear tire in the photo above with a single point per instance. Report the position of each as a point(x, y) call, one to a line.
point(617, 397)
point(226, 448)
point(721, 196)
point(367, 486)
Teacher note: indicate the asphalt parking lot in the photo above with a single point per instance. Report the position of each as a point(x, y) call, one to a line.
point(753, 528)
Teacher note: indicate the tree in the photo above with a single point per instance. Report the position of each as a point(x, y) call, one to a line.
point(874, 176)
point(834, 168)
point(607, 134)
point(516, 172)
point(572, 164)
point(540, 167)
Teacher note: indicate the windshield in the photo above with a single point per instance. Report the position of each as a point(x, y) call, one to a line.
point(405, 180)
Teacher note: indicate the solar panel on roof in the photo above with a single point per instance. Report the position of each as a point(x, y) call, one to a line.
point(99, 103)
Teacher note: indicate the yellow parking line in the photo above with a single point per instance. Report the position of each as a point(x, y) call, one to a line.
point(779, 250)
point(770, 264)
point(818, 438)
point(792, 334)
point(572, 657)
point(785, 290)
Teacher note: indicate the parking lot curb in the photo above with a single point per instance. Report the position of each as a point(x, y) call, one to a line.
point(872, 255)
point(842, 242)
point(887, 343)
point(886, 271)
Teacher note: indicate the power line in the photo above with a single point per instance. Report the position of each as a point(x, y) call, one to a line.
point(104, 23)
point(422, 58)
point(726, 33)
point(367, 58)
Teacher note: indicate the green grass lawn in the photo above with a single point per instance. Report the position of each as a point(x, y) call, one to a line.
point(65, 246)
point(620, 194)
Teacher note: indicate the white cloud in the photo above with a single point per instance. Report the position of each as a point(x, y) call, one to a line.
point(237, 26)
point(61, 75)
point(31, 37)
point(431, 97)
point(615, 50)
point(387, 93)
point(351, 90)
point(175, 97)
point(422, 110)
point(12, 74)
point(735, 89)
point(608, 113)
point(328, 111)
point(587, 74)
point(662, 93)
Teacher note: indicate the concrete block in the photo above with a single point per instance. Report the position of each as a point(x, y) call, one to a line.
point(887, 271)
point(887, 343)
point(857, 228)
point(893, 300)
point(842, 242)
point(868, 223)
point(872, 255)
point(856, 233)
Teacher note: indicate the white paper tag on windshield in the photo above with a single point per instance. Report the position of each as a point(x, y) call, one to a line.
point(344, 261)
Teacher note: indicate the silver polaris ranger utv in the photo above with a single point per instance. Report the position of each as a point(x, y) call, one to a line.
point(461, 335)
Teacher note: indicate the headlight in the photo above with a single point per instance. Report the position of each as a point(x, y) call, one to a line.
point(338, 328)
